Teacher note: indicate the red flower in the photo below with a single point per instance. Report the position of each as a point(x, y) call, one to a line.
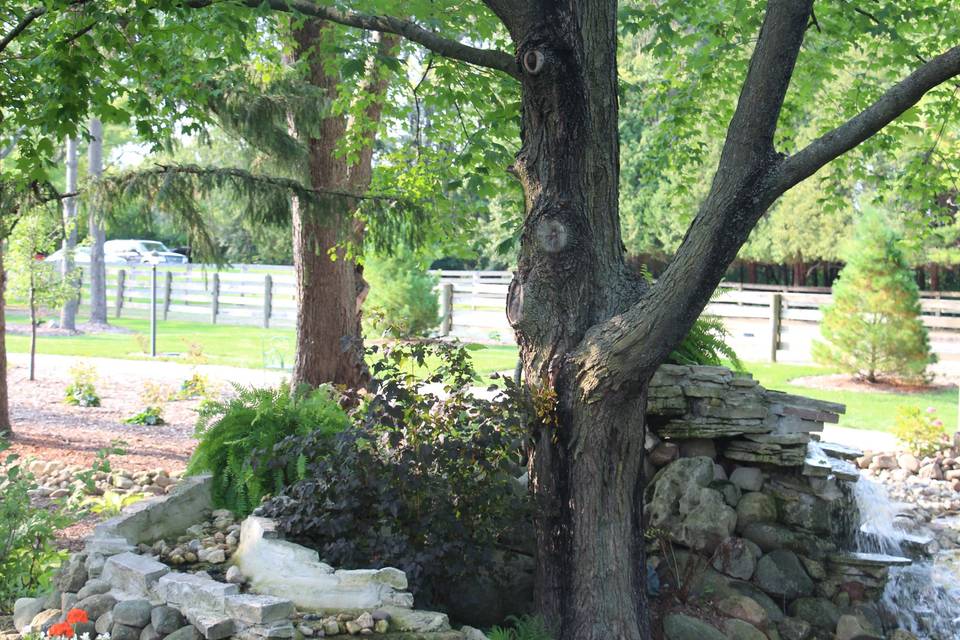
point(76, 616)
point(61, 629)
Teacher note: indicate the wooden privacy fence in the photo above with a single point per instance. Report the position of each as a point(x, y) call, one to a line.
point(765, 322)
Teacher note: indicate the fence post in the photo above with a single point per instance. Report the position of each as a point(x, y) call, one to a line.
point(267, 300)
point(167, 293)
point(121, 282)
point(776, 303)
point(215, 302)
point(446, 308)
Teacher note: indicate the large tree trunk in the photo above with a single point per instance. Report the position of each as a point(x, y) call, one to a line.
point(68, 313)
point(330, 285)
point(5, 428)
point(98, 271)
point(586, 462)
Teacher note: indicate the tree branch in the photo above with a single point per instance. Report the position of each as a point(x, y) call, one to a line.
point(629, 346)
point(446, 47)
point(21, 26)
point(891, 105)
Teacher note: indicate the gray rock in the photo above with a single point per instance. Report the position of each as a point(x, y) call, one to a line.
point(73, 574)
point(698, 447)
point(93, 587)
point(664, 453)
point(67, 600)
point(124, 632)
point(730, 492)
point(234, 575)
point(769, 537)
point(97, 605)
point(25, 610)
point(819, 612)
point(45, 619)
point(149, 633)
point(781, 574)
point(187, 632)
point(755, 507)
point(256, 609)
point(104, 623)
point(774, 611)
point(133, 613)
point(737, 557)
point(856, 628)
point(133, 574)
point(743, 608)
point(682, 504)
point(794, 629)
point(165, 620)
point(472, 633)
point(747, 478)
point(94, 565)
point(52, 601)
point(677, 626)
point(740, 630)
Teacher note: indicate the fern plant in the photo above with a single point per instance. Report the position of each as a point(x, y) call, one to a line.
point(237, 437)
point(523, 628)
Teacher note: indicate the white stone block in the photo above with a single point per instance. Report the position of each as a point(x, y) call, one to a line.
point(133, 575)
point(196, 592)
point(255, 609)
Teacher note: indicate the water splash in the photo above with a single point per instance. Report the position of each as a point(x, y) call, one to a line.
point(925, 596)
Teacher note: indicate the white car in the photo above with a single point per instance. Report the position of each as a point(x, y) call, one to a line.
point(81, 255)
point(142, 252)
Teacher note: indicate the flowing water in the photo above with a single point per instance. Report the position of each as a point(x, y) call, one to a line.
point(925, 596)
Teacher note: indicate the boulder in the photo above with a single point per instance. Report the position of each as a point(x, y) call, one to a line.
point(93, 587)
point(747, 478)
point(737, 557)
point(743, 608)
point(187, 632)
point(677, 626)
point(739, 630)
point(755, 507)
point(45, 619)
point(97, 605)
point(856, 628)
point(794, 629)
point(908, 462)
point(664, 453)
point(133, 613)
point(682, 504)
point(73, 574)
point(165, 620)
point(774, 611)
point(819, 612)
point(781, 574)
point(149, 633)
point(104, 623)
point(124, 632)
point(25, 610)
point(730, 492)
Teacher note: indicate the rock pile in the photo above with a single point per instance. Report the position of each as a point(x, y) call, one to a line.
point(58, 480)
point(210, 542)
point(750, 513)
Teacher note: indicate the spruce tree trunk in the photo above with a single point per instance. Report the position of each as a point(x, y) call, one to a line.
point(5, 428)
point(98, 270)
point(586, 461)
point(68, 313)
point(330, 284)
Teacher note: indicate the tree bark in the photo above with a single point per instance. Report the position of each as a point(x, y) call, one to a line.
point(98, 270)
point(5, 427)
point(330, 285)
point(68, 312)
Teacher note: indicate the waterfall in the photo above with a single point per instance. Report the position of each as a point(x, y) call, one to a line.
point(923, 597)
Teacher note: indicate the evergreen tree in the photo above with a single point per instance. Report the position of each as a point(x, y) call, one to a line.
point(873, 328)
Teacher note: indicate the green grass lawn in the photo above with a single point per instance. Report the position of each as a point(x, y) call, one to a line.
point(254, 347)
point(238, 346)
point(865, 410)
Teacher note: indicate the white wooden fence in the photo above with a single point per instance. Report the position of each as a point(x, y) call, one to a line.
point(765, 322)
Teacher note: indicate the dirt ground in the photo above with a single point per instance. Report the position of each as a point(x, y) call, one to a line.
point(849, 383)
point(46, 427)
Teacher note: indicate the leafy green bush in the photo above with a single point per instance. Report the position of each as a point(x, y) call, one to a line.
point(193, 387)
point(419, 483)
point(237, 437)
point(82, 391)
point(149, 417)
point(402, 301)
point(522, 628)
point(921, 431)
point(873, 328)
point(28, 556)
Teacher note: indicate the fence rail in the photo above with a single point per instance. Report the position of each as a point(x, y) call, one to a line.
point(765, 323)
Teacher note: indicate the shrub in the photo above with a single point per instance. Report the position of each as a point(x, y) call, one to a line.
point(28, 556)
point(155, 394)
point(873, 328)
point(402, 301)
point(522, 628)
point(81, 390)
point(921, 431)
point(237, 437)
point(149, 417)
point(420, 483)
point(193, 387)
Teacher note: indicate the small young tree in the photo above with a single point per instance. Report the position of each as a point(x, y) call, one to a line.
point(402, 302)
point(33, 280)
point(873, 328)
